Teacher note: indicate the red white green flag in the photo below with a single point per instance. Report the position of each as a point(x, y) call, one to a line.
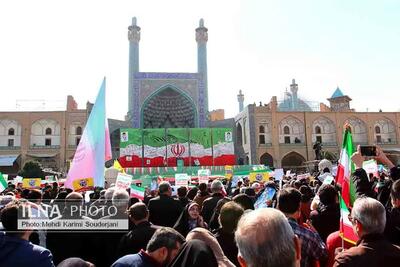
point(3, 183)
point(137, 191)
point(346, 168)
point(346, 228)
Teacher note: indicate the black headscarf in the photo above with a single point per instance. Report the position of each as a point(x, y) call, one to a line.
point(195, 253)
point(182, 223)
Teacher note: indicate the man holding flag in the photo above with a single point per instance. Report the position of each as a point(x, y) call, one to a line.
point(368, 219)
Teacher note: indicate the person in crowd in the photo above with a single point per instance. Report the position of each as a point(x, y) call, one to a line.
point(214, 222)
point(392, 230)
point(164, 210)
point(245, 201)
point(182, 196)
point(195, 253)
point(368, 218)
point(192, 193)
point(75, 262)
point(228, 218)
point(140, 235)
point(107, 251)
point(73, 244)
point(363, 186)
point(305, 206)
point(149, 194)
point(161, 250)
point(210, 203)
point(326, 218)
point(313, 249)
point(237, 189)
point(39, 210)
point(189, 219)
point(208, 238)
point(384, 191)
point(258, 235)
point(202, 194)
point(15, 248)
point(120, 200)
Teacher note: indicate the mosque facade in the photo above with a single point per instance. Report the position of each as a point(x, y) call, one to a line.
point(167, 100)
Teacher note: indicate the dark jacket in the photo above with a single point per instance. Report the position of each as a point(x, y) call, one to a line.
point(136, 239)
point(141, 259)
point(184, 201)
point(200, 197)
point(373, 251)
point(326, 220)
point(392, 230)
point(209, 205)
point(18, 252)
point(228, 245)
point(164, 210)
point(363, 187)
point(66, 243)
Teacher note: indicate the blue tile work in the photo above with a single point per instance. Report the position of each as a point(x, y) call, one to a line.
point(201, 101)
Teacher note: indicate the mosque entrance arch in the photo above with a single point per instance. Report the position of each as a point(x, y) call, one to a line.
point(169, 107)
point(293, 161)
point(267, 160)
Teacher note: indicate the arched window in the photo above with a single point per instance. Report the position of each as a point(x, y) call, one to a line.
point(48, 131)
point(262, 129)
point(318, 130)
point(262, 139)
point(286, 130)
point(11, 131)
point(78, 130)
point(377, 129)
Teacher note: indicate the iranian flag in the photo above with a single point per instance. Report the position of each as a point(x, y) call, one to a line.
point(201, 147)
point(137, 191)
point(346, 168)
point(130, 148)
point(3, 183)
point(346, 228)
point(223, 151)
point(177, 146)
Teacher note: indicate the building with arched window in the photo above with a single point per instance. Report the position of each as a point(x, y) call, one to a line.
point(49, 137)
point(283, 133)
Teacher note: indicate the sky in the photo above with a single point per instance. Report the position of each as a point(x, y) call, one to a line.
point(50, 49)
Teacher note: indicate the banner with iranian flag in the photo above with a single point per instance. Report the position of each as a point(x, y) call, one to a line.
point(346, 227)
point(201, 147)
point(346, 168)
point(130, 148)
point(137, 191)
point(223, 150)
point(154, 147)
point(177, 146)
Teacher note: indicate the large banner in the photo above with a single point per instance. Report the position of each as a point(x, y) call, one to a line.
point(223, 150)
point(177, 146)
point(154, 147)
point(131, 147)
point(201, 147)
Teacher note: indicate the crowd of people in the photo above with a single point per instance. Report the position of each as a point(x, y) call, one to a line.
point(215, 224)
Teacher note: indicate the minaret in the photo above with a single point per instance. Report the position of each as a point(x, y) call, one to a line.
point(201, 39)
point(134, 38)
point(240, 98)
point(294, 88)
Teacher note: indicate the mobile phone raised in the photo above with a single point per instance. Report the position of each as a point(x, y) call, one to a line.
point(368, 151)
